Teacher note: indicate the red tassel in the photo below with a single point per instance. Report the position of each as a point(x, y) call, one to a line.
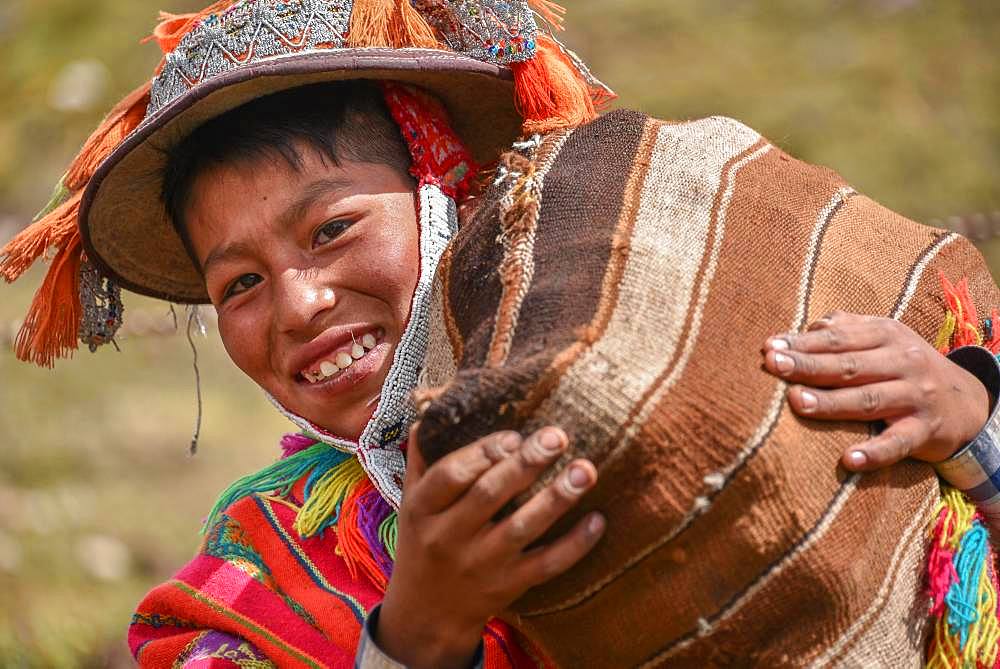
point(352, 544)
point(51, 328)
point(550, 92)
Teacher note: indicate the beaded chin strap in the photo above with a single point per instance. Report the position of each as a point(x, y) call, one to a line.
point(445, 169)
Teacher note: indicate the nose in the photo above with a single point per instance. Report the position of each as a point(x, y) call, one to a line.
point(301, 298)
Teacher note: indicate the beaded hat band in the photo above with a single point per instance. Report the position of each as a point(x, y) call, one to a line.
point(497, 74)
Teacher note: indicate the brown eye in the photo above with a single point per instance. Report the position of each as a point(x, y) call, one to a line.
point(244, 283)
point(327, 232)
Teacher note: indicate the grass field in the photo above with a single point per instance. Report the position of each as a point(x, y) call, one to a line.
point(98, 496)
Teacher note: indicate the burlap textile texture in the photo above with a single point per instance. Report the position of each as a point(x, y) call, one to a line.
point(620, 283)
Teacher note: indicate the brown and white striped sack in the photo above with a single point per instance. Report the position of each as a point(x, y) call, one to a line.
point(619, 281)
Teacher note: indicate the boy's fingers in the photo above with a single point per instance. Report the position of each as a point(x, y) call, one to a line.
point(833, 370)
point(506, 479)
point(858, 333)
point(544, 563)
point(538, 514)
point(875, 401)
point(448, 478)
point(895, 443)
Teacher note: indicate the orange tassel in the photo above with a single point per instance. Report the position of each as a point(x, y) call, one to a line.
point(550, 92)
point(961, 304)
point(552, 13)
point(351, 543)
point(409, 28)
point(122, 120)
point(370, 23)
point(57, 229)
point(51, 327)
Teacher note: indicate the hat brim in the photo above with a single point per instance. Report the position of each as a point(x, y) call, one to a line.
point(124, 223)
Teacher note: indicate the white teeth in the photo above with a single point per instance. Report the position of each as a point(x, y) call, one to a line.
point(344, 360)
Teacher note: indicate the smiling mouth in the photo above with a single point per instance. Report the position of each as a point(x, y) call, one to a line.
point(337, 362)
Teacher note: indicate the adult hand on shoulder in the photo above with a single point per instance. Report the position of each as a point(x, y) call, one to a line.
point(851, 367)
point(455, 566)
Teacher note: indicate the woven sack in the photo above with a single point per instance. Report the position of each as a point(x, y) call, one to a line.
point(619, 281)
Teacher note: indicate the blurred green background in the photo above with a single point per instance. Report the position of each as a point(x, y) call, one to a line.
point(98, 497)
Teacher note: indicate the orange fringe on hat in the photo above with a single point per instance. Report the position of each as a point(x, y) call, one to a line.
point(390, 23)
point(550, 91)
point(51, 326)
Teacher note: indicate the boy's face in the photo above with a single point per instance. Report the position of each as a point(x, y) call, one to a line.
point(312, 272)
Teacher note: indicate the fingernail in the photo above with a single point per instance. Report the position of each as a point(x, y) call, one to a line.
point(578, 478)
point(784, 363)
point(809, 401)
point(595, 524)
point(551, 440)
point(857, 458)
point(779, 344)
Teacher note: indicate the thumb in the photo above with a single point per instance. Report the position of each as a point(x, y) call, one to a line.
point(415, 463)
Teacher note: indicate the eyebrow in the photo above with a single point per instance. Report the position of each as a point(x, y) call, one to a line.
point(286, 220)
point(221, 254)
point(310, 194)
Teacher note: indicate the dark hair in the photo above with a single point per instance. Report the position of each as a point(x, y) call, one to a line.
point(339, 120)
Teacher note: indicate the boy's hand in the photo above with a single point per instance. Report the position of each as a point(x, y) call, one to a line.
point(455, 566)
point(850, 367)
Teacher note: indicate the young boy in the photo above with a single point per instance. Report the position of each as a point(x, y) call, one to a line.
point(314, 228)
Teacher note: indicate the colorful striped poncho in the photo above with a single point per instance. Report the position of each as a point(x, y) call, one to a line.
point(294, 559)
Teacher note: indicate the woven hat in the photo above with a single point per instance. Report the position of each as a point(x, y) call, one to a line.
point(497, 74)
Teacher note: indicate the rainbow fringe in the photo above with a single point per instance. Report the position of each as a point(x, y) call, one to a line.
point(961, 324)
point(961, 569)
point(336, 495)
point(963, 587)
